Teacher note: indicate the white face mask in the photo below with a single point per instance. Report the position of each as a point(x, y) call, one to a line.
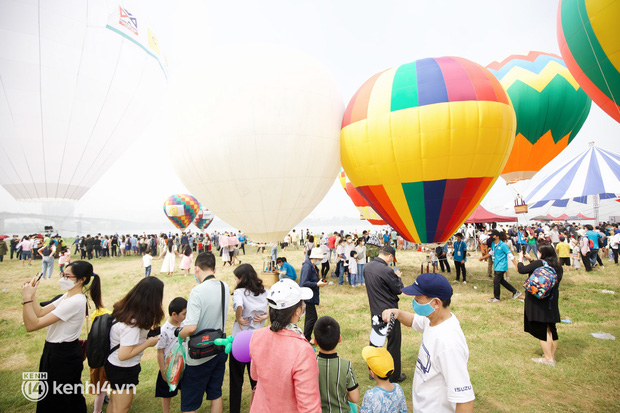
point(66, 283)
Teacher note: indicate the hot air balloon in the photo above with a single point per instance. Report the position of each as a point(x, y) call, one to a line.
point(257, 136)
point(550, 108)
point(589, 39)
point(366, 211)
point(80, 81)
point(425, 141)
point(181, 209)
point(204, 218)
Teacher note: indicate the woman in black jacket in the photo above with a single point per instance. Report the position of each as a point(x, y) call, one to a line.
point(541, 315)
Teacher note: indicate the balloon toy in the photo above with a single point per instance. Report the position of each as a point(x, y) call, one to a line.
point(425, 141)
point(228, 342)
point(181, 209)
point(241, 346)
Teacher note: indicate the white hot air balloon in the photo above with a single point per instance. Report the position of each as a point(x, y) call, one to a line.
point(257, 135)
point(80, 79)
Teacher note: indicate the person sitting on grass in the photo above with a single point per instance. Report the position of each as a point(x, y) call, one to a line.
point(385, 397)
point(337, 381)
point(286, 269)
point(441, 381)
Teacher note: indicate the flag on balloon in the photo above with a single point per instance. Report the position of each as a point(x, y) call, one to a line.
point(424, 142)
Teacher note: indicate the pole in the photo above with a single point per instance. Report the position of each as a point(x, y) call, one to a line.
point(596, 208)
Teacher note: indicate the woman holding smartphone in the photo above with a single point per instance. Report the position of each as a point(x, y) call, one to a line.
point(63, 358)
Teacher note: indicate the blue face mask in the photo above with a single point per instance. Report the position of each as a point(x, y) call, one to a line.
point(423, 309)
point(197, 280)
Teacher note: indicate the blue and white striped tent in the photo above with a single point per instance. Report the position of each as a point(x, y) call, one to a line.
point(593, 172)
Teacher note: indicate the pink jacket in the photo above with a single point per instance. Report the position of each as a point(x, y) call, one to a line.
point(286, 371)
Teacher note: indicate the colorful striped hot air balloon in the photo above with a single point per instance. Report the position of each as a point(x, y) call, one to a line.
point(181, 209)
point(366, 211)
point(425, 141)
point(589, 39)
point(550, 108)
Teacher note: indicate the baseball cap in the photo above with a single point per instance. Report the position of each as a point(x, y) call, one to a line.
point(389, 250)
point(379, 360)
point(316, 253)
point(286, 293)
point(431, 285)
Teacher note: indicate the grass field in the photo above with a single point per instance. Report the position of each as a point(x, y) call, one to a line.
point(586, 377)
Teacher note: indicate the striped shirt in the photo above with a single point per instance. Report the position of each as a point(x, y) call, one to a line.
point(336, 378)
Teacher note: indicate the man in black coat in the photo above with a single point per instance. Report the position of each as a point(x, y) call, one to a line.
point(383, 286)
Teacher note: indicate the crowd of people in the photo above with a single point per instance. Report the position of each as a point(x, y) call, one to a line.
point(299, 379)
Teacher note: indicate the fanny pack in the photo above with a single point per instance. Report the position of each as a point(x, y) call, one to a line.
point(201, 344)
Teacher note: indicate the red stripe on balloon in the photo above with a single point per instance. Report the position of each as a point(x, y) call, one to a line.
point(380, 202)
point(457, 81)
point(479, 79)
point(470, 197)
point(451, 197)
point(358, 106)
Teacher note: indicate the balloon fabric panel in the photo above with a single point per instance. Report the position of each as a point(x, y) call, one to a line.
point(589, 40)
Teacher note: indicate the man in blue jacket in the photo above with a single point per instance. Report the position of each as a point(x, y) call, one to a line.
point(310, 278)
point(501, 254)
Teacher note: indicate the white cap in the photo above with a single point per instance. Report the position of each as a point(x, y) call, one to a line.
point(316, 253)
point(286, 293)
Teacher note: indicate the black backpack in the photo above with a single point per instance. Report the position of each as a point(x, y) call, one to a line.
point(98, 342)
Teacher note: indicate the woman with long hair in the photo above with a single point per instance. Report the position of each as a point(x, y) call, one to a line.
point(63, 358)
point(250, 306)
point(170, 259)
point(283, 362)
point(541, 315)
point(134, 315)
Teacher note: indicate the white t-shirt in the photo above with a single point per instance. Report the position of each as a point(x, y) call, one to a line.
point(252, 305)
point(167, 340)
point(126, 335)
point(339, 251)
point(441, 378)
point(71, 312)
point(146, 260)
point(352, 265)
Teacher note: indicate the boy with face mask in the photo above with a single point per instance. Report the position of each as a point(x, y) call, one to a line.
point(441, 380)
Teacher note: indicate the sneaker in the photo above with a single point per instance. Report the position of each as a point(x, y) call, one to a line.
point(400, 379)
point(464, 282)
point(541, 360)
point(517, 294)
point(493, 300)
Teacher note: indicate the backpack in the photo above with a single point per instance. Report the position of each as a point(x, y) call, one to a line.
point(591, 243)
point(98, 342)
point(541, 282)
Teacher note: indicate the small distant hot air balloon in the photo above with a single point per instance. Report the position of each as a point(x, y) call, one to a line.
point(550, 108)
point(425, 141)
point(366, 211)
point(589, 39)
point(204, 218)
point(181, 209)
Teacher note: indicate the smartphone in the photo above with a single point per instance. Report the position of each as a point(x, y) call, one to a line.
point(396, 269)
point(39, 275)
point(154, 332)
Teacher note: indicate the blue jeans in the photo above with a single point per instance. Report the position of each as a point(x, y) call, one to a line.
point(352, 279)
point(47, 266)
point(147, 271)
point(532, 248)
point(360, 273)
point(340, 271)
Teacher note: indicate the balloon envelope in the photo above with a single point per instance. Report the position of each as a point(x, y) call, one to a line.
point(425, 141)
point(241, 346)
point(550, 108)
point(204, 218)
point(589, 39)
point(80, 80)
point(366, 211)
point(181, 209)
point(257, 136)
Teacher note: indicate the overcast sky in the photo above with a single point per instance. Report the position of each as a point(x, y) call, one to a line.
point(354, 39)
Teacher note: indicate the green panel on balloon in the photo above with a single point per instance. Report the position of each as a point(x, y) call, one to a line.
point(414, 193)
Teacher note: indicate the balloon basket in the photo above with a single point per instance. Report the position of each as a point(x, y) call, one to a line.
point(520, 209)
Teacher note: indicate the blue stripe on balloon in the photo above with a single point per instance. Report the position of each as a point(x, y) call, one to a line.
point(535, 67)
point(607, 196)
point(544, 182)
point(581, 199)
point(433, 200)
point(431, 85)
point(594, 180)
point(560, 203)
point(539, 204)
point(612, 160)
